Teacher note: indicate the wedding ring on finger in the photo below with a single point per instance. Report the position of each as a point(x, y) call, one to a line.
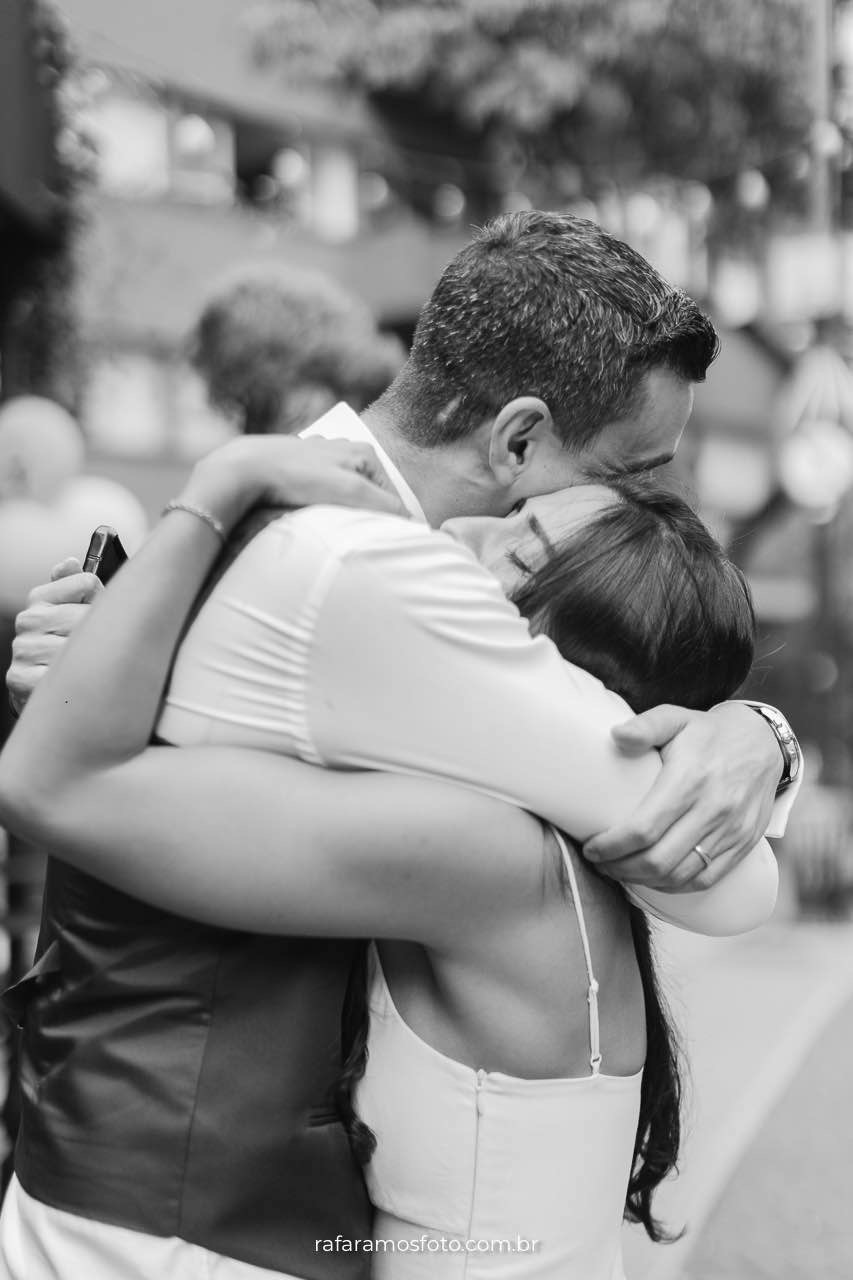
point(706, 857)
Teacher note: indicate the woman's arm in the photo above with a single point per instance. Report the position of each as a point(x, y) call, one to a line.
point(265, 843)
point(740, 902)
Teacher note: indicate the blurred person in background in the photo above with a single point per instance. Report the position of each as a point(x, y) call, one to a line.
point(276, 349)
point(548, 349)
point(46, 502)
point(41, 454)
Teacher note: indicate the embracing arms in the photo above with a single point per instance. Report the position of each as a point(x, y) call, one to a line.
point(319, 852)
point(482, 708)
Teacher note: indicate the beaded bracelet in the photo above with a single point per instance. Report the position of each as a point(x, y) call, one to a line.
point(199, 512)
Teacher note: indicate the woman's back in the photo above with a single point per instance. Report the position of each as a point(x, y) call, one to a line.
point(497, 1121)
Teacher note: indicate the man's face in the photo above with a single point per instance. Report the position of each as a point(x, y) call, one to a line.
point(563, 496)
point(649, 435)
point(646, 437)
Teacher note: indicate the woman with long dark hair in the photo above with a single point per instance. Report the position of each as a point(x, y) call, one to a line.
point(520, 1079)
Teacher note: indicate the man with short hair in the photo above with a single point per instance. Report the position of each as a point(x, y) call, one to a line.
point(554, 307)
point(177, 1077)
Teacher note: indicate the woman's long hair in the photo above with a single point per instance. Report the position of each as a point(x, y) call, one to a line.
point(355, 1027)
point(645, 599)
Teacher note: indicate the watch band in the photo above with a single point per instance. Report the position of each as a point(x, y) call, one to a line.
point(792, 756)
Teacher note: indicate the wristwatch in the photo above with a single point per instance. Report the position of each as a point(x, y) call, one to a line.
point(788, 745)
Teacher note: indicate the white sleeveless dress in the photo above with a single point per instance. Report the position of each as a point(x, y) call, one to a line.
point(480, 1174)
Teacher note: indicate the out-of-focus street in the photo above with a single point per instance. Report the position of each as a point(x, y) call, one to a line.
point(766, 1180)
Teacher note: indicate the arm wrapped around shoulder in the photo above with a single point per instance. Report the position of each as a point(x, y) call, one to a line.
point(739, 903)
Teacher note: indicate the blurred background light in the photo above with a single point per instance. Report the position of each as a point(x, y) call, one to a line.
point(816, 465)
point(448, 202)
point(736, 290)
point(515, 202)
point(732, 475)
point(290, 167)
point(374, 191)
point(827, 138)
point(821, 672)
point(194, 136)
point(844, 33)
point(752, 190)
point(642, 213)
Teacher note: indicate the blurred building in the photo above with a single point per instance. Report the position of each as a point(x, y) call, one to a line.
point(207, 162)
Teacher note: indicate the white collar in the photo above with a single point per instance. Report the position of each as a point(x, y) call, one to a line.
point(343, 423)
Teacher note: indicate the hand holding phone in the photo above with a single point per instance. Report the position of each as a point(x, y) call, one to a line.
point(105, 554)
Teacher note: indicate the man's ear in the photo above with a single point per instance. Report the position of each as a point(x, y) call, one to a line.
point(518, 427)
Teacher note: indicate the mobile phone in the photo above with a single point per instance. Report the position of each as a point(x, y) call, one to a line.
point(105, 554)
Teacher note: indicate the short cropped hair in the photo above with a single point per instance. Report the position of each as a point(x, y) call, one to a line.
point(548, 305)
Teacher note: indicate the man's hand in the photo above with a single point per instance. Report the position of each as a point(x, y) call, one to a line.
point(716, 790)
point(53, 611)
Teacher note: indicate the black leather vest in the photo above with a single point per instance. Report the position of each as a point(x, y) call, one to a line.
point(176, 1079)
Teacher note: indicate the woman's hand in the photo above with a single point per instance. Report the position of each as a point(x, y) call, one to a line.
point(285, 471)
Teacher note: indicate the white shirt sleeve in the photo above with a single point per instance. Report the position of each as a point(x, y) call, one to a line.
point(356, 640)
point(421, 665)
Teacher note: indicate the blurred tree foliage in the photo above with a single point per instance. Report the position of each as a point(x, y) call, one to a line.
point(277, 348)
point(46, 347)
point(567, 95)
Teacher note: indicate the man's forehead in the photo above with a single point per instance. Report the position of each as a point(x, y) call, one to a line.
point(649, 434)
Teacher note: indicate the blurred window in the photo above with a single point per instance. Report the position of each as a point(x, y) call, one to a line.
point(140, 405)
point(202, 160)
point(148, 147)
point(198, 428)
point(131, 135)
point(126, 404)
point(272, 172)
point(316, 185)
point(334, 213)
